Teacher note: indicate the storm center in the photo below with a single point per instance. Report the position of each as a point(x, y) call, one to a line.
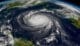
point(37, 20)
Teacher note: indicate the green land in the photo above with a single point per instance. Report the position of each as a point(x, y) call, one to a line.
point(23, 42)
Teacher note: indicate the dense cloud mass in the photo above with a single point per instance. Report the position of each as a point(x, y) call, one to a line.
point(45, 24)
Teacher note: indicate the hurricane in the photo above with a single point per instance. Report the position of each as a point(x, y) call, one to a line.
point(39, 23)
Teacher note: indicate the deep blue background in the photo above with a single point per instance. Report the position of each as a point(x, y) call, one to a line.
point(75, 2)
point(3, 0)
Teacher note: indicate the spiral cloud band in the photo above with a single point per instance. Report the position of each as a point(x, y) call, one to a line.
point(45, 23)
point(40, 24)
